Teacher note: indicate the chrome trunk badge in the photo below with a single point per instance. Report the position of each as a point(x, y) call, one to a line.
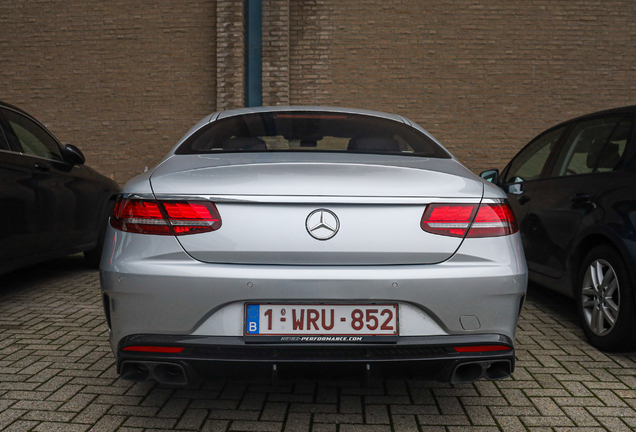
point(322, 224)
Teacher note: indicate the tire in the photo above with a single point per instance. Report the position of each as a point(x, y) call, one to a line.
point(94, 256)
point(606, 306)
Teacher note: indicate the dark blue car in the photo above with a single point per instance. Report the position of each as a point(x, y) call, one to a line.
point(573, 192)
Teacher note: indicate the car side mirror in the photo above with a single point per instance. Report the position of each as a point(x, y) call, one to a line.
point(491, 176)
point(73, 155)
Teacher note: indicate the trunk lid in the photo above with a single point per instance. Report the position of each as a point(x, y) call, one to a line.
point(266, 200)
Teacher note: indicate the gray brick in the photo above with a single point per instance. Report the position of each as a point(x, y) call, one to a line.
point(234, 415)
point(174, 408)
point(21, 426)
point(192, 419)
point(351, 404)
point(364, 428)
point(511, 423)
point(9, 416)
point(253, 401)
point(337, 418)
point(59, 427)
point(443, 420)
point(91, 413)
point(480, 416)
point(376, 414)
point(215, 426)
point(297, 422)
point(404, 423)
point(250, 426)
point(274, 411)
point(150, 422)
point(108, 423)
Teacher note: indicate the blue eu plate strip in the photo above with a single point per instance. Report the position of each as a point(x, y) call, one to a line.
point(252, 318)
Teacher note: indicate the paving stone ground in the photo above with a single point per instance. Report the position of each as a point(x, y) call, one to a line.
point(57, 374)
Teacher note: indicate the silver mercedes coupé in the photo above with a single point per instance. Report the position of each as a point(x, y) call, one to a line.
point(279, 237)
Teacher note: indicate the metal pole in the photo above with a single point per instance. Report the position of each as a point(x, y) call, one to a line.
point(253, 53)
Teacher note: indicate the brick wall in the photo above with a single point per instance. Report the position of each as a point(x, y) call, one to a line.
point(484, 77)
point(121, 79)
point(125, 79)
point(230, 53)
point(276, 25)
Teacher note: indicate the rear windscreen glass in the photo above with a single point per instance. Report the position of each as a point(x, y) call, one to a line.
point(311, 131)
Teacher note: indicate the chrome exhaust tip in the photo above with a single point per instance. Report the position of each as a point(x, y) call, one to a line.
point(469, 372)
point(163, 373)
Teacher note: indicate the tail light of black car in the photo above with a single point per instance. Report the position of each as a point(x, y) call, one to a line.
point(479, 220)
point(165, 217)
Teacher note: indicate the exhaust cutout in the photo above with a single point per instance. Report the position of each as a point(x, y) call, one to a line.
point(163, 373)
point(470, 372)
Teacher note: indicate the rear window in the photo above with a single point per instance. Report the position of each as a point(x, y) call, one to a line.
point(310, 132)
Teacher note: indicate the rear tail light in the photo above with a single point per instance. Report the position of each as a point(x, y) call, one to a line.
point(493, 220)
point(484, 220)
point(165, 217)
point(448, 219)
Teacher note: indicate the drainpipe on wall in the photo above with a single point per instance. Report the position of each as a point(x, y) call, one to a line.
point(253, 53)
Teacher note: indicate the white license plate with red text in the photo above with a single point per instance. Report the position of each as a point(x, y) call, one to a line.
point(321, 319)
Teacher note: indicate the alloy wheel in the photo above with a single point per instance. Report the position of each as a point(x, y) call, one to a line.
point(600, 297)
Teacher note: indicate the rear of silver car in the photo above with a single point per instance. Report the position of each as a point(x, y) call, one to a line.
point(245, 259)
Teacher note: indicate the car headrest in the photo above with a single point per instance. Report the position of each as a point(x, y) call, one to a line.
point(373, 143)
point(244, 143)
point(608, 158)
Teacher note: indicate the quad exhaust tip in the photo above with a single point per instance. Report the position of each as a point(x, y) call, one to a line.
point(164, 373)
point(470, 372)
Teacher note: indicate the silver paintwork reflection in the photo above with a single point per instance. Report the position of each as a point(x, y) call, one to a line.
point(316, 174)
point(276, 234)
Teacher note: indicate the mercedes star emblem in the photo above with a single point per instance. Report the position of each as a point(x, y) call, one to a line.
point(322, 224)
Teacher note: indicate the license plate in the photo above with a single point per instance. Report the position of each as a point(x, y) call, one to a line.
point(321, 319)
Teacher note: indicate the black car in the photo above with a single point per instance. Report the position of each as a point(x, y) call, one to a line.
point(573, 192)
point(51, 204)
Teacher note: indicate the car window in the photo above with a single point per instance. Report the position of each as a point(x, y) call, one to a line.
point(4, 144)
point(529, 163)
point(613, 151)
point(34, 140)
point(311, 131)
point(584, 147)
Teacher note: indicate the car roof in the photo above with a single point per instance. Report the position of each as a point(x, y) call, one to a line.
point(628, 110)
point(255, 110)
point(15, 108)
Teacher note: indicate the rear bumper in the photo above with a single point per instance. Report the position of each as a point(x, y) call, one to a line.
point(421, 357)
point(151, 286)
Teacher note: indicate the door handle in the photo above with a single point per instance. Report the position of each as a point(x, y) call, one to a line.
point(40, 167)
point(580, 198)
point(523, 199)
point(582, 201)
